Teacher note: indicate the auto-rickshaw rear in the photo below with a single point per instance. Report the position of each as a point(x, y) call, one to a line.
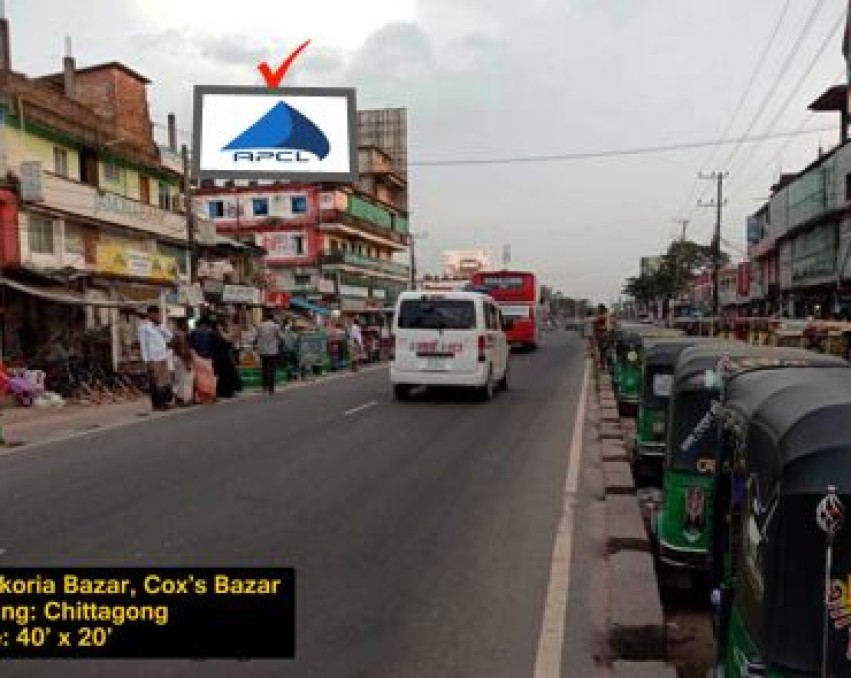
point(783, 551)
point(683, 527)
point(659, 357)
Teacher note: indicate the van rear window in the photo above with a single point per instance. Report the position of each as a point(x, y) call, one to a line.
point(437, 314)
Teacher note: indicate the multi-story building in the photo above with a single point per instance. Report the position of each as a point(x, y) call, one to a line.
point(800, 239)
point(331, 245)
point(339, 246)
point(90, 208)
point(462, 264)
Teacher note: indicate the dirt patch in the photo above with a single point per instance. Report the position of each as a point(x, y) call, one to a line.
point(690, 641)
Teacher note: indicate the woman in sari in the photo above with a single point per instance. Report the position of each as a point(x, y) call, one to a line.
point(184, 373)
point(202, 344)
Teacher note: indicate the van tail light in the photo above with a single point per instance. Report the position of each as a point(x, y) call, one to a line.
point(483, 341)
point(531, 313)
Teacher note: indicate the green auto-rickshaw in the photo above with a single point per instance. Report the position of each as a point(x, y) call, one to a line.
point(681, 527)
point(783, 609)
point(622, 334)
point(629, 352)
point(659, 356)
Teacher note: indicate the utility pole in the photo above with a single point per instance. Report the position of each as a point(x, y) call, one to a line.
point(718, 204)
point(190, 216)
point(413, 265)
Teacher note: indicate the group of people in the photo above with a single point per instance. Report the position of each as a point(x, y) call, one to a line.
point(199, 366)
point(188, 367)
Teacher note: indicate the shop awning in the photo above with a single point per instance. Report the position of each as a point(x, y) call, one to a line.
point(62, 295)
point(307, 306)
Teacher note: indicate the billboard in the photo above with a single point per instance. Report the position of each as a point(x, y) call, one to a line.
point(298, 134)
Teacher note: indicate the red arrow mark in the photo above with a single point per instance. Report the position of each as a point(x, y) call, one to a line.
point(273, 78)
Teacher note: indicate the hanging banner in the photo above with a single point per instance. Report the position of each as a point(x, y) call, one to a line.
point(119, 260)
point(240, 294)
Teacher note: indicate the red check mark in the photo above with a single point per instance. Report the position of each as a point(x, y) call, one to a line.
point(273, 78)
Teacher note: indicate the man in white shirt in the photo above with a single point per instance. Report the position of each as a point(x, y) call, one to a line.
point(154, 344)
point(355, 344)
point(268, 344)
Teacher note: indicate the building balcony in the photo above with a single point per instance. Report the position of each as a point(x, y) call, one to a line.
point(369, 265)
point(97, 206)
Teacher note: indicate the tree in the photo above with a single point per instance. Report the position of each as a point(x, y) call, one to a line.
point(683, 261)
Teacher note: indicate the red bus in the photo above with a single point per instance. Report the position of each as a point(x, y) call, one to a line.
point(518, 295)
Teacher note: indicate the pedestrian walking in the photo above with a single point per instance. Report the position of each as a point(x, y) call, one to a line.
point(227, 377)
point(602, 328)
point(355, 337)
point(154, 340)
point(202, 342)
point(268, 345)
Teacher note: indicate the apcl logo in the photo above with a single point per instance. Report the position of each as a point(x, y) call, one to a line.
point(283, 134)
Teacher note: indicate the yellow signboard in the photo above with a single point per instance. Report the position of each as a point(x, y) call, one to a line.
point(120, 260)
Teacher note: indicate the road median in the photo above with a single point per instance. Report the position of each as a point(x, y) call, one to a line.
point(636, 629)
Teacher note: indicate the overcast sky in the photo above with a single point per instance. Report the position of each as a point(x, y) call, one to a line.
point(498, 78)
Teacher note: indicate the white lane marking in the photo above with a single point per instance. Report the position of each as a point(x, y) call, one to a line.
point(551, 640)
point(360, 408)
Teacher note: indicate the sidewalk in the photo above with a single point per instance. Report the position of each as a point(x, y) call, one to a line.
point(33, 425)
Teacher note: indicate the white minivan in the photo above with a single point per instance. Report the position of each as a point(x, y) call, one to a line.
point(449, 339)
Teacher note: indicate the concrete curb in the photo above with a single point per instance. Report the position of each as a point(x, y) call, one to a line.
point(624, 525)
point(617, 476)
point(611, 431)
point(611, 450)
point(643, 670)
point(636, 622)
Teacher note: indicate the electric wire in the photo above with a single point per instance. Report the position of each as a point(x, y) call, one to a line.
point(748, 87)
point(840, 20)
point(611, 153)
point(780, 75)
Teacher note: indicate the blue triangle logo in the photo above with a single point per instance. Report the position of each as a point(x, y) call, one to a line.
point(283, 127)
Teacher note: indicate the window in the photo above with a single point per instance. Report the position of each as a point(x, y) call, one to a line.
point(298, 204)
point(434, 314)
point(74, 241)
point(112, 173)
point(216, 209)
point(41, 234)
point(60, 161)
point(298, 245)
point(302, 281)
point(335, 246)
point(260, 207)
point(177, 253)
point(848, 187)
point(164, 195)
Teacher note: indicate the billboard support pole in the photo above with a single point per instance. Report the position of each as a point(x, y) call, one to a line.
point(190, 215)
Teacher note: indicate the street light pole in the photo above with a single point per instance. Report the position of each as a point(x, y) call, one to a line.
point(413, 238)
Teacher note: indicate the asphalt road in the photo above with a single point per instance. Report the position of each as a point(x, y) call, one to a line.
point(422, 532)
